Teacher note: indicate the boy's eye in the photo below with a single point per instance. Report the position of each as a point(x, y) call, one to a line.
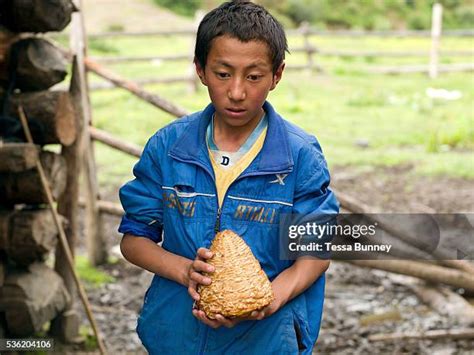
point(254, 77)
point(222, 75)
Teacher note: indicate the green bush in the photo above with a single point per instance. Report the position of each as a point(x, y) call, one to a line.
point(346, 14)
point(181, 7)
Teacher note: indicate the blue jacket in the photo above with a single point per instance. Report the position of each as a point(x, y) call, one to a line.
point(173, 199)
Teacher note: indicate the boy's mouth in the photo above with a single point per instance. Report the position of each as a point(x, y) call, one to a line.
point(235, 110)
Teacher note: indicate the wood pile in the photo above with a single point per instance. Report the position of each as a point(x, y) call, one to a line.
point(31, 292)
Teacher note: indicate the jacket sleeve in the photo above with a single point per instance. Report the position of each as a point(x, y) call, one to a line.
point(141, 197)
point(314, 202)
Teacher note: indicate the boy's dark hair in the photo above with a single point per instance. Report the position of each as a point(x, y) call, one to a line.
point(245, 21)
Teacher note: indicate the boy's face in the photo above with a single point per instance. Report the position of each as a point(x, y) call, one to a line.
point(238, 76)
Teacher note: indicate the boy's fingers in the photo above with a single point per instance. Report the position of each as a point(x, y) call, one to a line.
point(200, 265)
point(202, 317)
point(192, 291)
point(204, 253)
point(200, 279)
point(260, 315)
point(256, 315)
point(225, 322)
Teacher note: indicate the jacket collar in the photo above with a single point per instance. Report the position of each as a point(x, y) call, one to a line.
point(274, 157)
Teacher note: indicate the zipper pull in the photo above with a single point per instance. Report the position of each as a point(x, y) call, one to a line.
point(217, 226)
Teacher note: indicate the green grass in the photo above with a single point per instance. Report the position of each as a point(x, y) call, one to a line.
point(90, 341)
point(401, 124)
point(90, 274)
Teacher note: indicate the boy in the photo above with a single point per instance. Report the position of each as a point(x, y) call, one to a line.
point(236, 165)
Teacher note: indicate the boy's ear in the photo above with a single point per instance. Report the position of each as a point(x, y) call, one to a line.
point(277, 76)
point(200, 72)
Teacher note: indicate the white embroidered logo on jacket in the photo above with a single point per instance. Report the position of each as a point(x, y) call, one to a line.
point(279, 179)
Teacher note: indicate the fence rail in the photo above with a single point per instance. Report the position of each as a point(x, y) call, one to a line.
point(307, 50)
point(299, 31)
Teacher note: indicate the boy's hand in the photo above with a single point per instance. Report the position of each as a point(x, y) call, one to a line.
point(231, 322)
point(226, 322)
point(195, 276)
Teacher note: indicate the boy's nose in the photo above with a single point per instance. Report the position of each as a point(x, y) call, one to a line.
point(236, 91)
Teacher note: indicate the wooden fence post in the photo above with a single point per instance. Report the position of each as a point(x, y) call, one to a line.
point(436, 24)
point(305, 32)
point(66, 325)
point(95, 241)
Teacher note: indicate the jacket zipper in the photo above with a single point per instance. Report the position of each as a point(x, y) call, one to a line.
point(217, 226)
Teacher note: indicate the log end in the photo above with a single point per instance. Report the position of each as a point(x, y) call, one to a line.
point(66, 130)
point(17, 157)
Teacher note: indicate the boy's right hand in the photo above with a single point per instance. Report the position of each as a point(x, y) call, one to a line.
point(195, 270)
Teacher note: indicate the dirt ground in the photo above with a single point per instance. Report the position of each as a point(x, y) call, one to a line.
point(359, 302)
point(141, 15)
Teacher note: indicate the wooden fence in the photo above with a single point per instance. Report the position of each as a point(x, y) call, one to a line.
point(311, 51)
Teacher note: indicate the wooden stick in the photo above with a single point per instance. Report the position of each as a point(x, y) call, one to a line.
point(396, 34)
point(149, 58)
point(135, 89)
point(445, 302)
point(108, 207)
point(390, 54)
point(410, 69)
point(303, 67)
point(429, 334)
point(62, 235)
point(147, 81)
point(433, 273)
point(117, 143)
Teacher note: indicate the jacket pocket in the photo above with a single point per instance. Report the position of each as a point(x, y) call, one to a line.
point(301, 327)
point(299, 336)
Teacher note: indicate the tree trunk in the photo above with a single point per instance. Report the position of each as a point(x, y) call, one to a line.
point(25, 187)
point(37, 16)
point(31, 298)
point(53, 115)
point(30, 235)
point(40, 64)
point(17, 157)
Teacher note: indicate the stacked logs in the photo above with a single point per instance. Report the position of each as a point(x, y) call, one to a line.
point(31, 293)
